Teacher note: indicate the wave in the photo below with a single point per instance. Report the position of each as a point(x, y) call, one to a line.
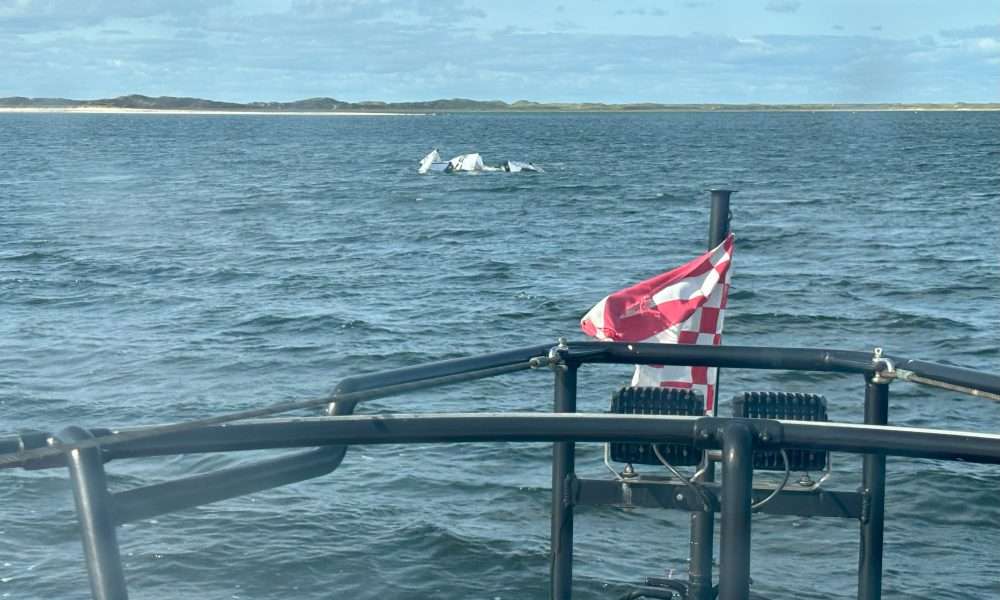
point(300, 324)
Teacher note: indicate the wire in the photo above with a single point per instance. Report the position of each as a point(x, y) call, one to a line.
point(784, 456)
point(685, 480)
point(914, 378)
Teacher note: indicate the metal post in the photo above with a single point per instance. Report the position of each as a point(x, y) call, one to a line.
point(703, 523)
point(718, 222)
point(734, 540)
point(873, 493)
point(563, 459)
point(702, 542)
point(718, 229)
point(97, 525)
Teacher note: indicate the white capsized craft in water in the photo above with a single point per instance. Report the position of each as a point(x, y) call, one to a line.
point(470, 162)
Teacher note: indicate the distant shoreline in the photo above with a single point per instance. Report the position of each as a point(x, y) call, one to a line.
point(108, 110)
point(170, 105)
point(97, 110)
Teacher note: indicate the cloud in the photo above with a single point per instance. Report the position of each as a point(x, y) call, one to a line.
point(35, 16)
point(46, 16)
point(392, 10)
point(982, 31)
point(975, 42)
point(782, 6)
point(641, 12)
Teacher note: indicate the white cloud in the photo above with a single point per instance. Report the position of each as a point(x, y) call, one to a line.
point(988, 46)
point(783, 6)
point(39, 16)
point(981, 31)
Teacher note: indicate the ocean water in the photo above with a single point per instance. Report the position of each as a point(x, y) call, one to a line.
point(161, 268)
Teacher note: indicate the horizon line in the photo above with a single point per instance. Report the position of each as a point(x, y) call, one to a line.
point(264, 104)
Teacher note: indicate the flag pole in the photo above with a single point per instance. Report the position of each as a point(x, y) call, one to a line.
point(718, 230)
point(718, 221)
point(703, 522)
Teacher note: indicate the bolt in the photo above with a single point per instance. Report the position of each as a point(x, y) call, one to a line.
point(679, 497)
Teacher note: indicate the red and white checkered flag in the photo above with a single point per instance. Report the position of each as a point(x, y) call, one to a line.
point(682, 306)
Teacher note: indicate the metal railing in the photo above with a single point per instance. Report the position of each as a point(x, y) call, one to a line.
point(100, 511)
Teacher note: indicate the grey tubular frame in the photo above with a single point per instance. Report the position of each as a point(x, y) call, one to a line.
point(99, 510)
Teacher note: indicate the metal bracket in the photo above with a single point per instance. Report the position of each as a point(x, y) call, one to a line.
point(885, 371)
point(708, 431)
point(32, 440)
point(866, 506)
point(36, 440)
point(571, 491)
point(556, 358)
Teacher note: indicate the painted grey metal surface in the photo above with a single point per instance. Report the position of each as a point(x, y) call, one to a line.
point(873, 492)
point(644, 493)
point(734, 531)
point(703, 522)
point(706, 432)
point(94, 512)
point(563, 465)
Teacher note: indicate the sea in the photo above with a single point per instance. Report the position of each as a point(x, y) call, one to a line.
point(162, 268)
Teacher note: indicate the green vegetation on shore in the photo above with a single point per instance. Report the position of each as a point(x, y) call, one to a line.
point(331, 105)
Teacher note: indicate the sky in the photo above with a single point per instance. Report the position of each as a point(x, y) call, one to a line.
point(667, 51)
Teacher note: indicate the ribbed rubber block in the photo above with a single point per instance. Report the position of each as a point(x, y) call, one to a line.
point(789, 406)
point(656, 401)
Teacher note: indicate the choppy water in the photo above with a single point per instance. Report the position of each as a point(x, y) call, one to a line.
point(157, 268)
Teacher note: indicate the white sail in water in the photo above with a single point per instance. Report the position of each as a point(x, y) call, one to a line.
point(471, 162)
point(466, 162)
point(515, 166)
point(427, 161)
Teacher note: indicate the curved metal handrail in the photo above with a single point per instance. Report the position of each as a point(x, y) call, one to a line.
point(446, 428)
point(330, 436)
point(14, 451)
